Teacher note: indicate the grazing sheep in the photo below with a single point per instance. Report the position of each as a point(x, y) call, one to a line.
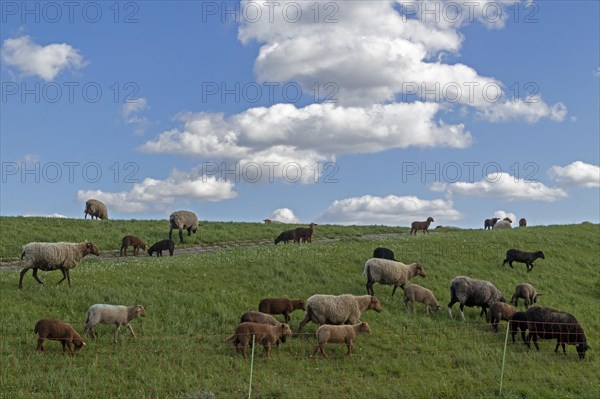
point(525, 291)
point(285, 237)
point(160, 246)
point(283, 306)
point(339, 334)
point(516, 255)
point(108, 314)
point(489, 223)
point(547, 323)
point(341, 309)
point(261, 318)
point(304, 234)
point(505, 223)
point(96, 209)
point(134, 241)
point(415, 293)
point(264, 333)
point(500, 311)
point(183, 220)
point(389, 272)
point(518, 321)
point(522, 222)
point(49, 256)
point(471, 292)
point(59, 331)
point(415, 226)
point(384, 253)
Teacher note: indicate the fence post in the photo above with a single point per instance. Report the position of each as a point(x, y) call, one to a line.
point(504, 357)
point(252, 367)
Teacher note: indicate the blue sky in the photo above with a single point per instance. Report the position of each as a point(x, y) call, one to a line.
point(330, 112)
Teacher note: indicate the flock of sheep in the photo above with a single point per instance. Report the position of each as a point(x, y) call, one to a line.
point(338, 316)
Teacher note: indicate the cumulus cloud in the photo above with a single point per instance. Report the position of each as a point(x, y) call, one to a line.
point(503, 187)
point(576, 174)
point(284, 215)
point(375, 52)
point(32, 59)
point(389, 210)
point(160, 194)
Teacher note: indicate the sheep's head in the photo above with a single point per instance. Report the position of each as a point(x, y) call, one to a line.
point(540, 254)
point(364, 328)
point(300, 304)
point(430, 219)
point(420, 270)
point(375, 304)
point(582, 347)
point(508, 220)
point(285, 330)
point(91, 248)
point(140, 311)
point(494, 220)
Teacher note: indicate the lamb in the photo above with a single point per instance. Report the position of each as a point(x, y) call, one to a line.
point(389, 272)
point(518, 321)
point(283, 306)
point(61, 256)
point(117, 314)
point(489, 223)
point(134, 241)
point(522, 222)
point(341, 309)
point(500, 311)
point(505, 223)
point(384, 253)
point(547, 323)
point(516, 255)
point(304, 234)
point(160, 246)
point(264, 334)
point(261, 318)
point(471, 292)
point(339, 334)
point(527, 292)
point(183, 220)
point(95, 208)
point(415, 293)
point(285, 237)
point(415, 226)
point(54, 329)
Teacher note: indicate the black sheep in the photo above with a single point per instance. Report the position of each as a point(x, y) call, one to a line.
point(285, 237)
point(518, 321)
point(489, 223)
point(516, 255)
point(384, 253)
point(160, 246)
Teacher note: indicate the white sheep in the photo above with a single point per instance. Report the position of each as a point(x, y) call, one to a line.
point(117, 314)
point(527, 292)
point(95, 208)
point(49, 256)
point(389, 272)
point(341, 309)
point(339, 334)
point(183, 220)
point(505, 223)
point(415, 293)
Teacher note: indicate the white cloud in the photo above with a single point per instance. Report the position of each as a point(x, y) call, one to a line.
point(54, 215)
point(502, 187)
point(389, 210)
point(160, 194)
point(284, 133)
point(374, 53)
point(284, 215)
point(130, 112)
point(33, 59)
point(597, 72)
point(576, 174)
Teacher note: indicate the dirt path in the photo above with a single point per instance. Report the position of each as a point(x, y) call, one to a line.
point(16, 264)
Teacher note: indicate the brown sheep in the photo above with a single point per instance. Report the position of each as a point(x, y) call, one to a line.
point(135, 242)
point(304, 234)
point(415, 226)
point(500, 311)
point(57, 330)
point(283, 306)
point(339, 334)
point(264, 334)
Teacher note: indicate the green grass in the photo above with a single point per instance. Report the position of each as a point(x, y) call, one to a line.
point(106, 234)
point(194, 302)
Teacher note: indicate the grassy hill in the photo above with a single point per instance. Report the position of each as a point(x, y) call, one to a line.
point(194, 302)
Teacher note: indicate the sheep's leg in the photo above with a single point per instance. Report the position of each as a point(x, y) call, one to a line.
point(370, 287)
point(170, 232)
point(21, 277)
point(68, 271)
point(40, 345)
point(189, 231)
point(315, 351)
point(303, 322)
point(510, 264)
point(64, 276)
point(322, 349)
point(427, 310)
point(181, 235)
point(117, 327)
point(267, 346)
point(462, 312)
point(393, 291)
point(35, 276)
point(450, 304)
point(130, 329)
point(286, 317)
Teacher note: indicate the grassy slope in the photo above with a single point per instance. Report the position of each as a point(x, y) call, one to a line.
point(194, 302)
